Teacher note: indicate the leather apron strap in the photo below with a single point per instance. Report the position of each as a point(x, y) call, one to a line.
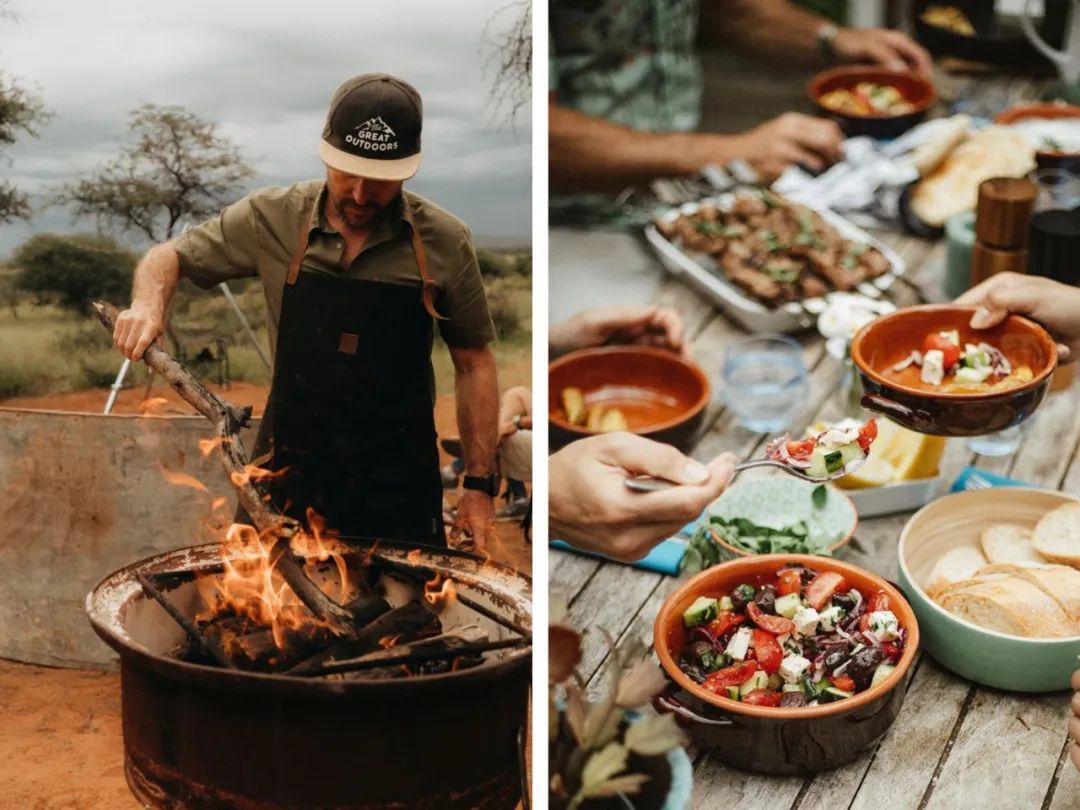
point(428, 286)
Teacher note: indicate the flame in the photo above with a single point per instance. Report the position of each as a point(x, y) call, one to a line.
point(208, 446)
point(440, 592)
point(321, 545)
point(218, 503)
point(183, 480)
point(155, 406)
point(257, 474)
point(386, 642)
point(414, 556)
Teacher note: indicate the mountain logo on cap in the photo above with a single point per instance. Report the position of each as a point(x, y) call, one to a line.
point(374, 135)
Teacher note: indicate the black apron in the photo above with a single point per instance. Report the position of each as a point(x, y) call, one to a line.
point(349, 425)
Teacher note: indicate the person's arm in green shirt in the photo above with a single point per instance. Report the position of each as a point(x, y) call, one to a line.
point(782, 31)
point(586, 153)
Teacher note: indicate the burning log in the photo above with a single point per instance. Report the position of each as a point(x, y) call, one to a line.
point(206, 645)
point(439, 648)
point(228, 419)
point(408, 621)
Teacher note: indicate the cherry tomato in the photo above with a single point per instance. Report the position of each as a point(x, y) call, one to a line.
point(777, 625)
point(801, 449)
point(729, 676)
point(867, 434)
point(950, 352)
point(762, 697)
point(788, 581)
point(724, 622)
point(767, 651)
point(843, 682)
point(879, 601)
point(892, 652)
point(822, 588)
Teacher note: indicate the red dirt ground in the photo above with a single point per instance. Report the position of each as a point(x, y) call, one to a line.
point(60, 734)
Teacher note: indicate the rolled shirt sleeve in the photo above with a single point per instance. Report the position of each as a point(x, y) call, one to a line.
point(464, 303)
point(221, 248)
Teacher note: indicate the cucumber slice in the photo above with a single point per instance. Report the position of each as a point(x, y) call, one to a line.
point(759, 680)
point(852, 452)
point(787, 606)
point(704, 609)
point(834, 461)
point(831, 693)
point(881, 673)
point(733, 692)
point(775, 681)
point(726, 603)
point(817, 467)
point(791, 687)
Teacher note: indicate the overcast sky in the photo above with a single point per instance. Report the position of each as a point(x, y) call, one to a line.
point(265, 72)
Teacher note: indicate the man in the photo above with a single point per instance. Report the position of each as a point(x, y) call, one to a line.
point(355, 270)
point(626, 87)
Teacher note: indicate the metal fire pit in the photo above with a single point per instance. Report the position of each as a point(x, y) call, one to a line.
point(200, 736)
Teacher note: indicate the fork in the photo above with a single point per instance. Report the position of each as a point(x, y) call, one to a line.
point(648, 483)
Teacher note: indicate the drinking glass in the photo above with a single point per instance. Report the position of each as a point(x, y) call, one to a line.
point(1058, 189)
point(766, 383)
point(1003, 442)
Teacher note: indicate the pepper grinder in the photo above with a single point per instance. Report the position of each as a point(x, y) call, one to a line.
point(1001, 227)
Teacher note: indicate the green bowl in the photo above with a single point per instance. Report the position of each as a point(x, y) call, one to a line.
point(984, 656)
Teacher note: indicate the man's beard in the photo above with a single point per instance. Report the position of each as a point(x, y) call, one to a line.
point(357, 216)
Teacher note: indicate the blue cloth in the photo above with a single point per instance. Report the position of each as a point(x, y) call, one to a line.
point(664, 558)
point(971, 478)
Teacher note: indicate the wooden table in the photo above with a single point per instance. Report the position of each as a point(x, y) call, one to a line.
point(954, 744)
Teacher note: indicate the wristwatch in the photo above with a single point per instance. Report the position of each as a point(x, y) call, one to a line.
point(488, 484)
point(517, 421)
point(826, 37)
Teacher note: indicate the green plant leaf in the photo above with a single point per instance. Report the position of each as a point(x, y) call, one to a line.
point(654, 735)
point(819, 496)
point(603, 765)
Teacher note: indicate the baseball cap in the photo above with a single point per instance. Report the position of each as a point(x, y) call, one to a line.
point(373, 128)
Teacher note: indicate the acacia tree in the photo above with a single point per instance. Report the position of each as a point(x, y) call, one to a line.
point(176, 167)
point(510, 57)
point(20, 113)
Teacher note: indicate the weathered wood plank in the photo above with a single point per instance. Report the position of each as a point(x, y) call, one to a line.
point(609, 601)
point(717, 787)
point(568, 572)
point(1065, 792)
point(1005, 753)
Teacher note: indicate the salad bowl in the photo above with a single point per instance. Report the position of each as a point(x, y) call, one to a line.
point(881, 347)
point(780, 739)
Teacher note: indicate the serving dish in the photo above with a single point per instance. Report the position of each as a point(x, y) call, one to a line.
point(996, 39)
point(1043, 121)
point(703, 272)
point(661, 394)
point(779, 740)
point(984, 656)
point(886, 341)
point(916, 90)
point(902, 496)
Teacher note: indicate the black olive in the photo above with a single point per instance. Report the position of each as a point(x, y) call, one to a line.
point(862, 666)
point(741, 595)
point(845, 601)
point(697, 650)
point(834, 659)
point(766, 599)
point(793, 699)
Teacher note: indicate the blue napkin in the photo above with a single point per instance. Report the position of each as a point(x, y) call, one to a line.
point(972, 478)
point(664, 558)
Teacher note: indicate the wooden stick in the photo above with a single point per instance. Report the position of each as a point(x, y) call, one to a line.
point(211, 648)
point(450, 648)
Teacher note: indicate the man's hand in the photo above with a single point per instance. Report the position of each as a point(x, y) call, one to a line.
point(647, 325)
point(136, 329)
point(1053, 304)
point(591, 507)
point(1074, 721)
point(789, 139)
point(892, 50)
point(475, 519)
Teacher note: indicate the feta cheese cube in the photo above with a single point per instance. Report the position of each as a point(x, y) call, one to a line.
point(793, 667)
point(739, 644)
point(806, 621)
point(830, 617)
point(933, 367)
point(951, 335)
point(884, 625)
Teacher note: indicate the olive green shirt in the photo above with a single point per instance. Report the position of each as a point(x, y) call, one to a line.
point(258, 235)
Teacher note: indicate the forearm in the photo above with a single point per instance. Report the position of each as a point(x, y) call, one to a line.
point(768, 29)
point(477, 399)
point(591, 154)
point(156, 279)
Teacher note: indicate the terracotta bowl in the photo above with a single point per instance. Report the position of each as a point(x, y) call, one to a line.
point(661, 395)
point(1046, 158)
point(887, 340)
point(985, 656)
point(919, 91)
point(774, 740)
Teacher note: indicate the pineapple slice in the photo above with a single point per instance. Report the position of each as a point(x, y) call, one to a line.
point(875, 472)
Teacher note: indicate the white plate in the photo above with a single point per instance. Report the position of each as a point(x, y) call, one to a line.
point(701, 271)
point(904, 496)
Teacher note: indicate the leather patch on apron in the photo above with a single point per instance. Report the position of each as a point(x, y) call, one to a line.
point(348, 343)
